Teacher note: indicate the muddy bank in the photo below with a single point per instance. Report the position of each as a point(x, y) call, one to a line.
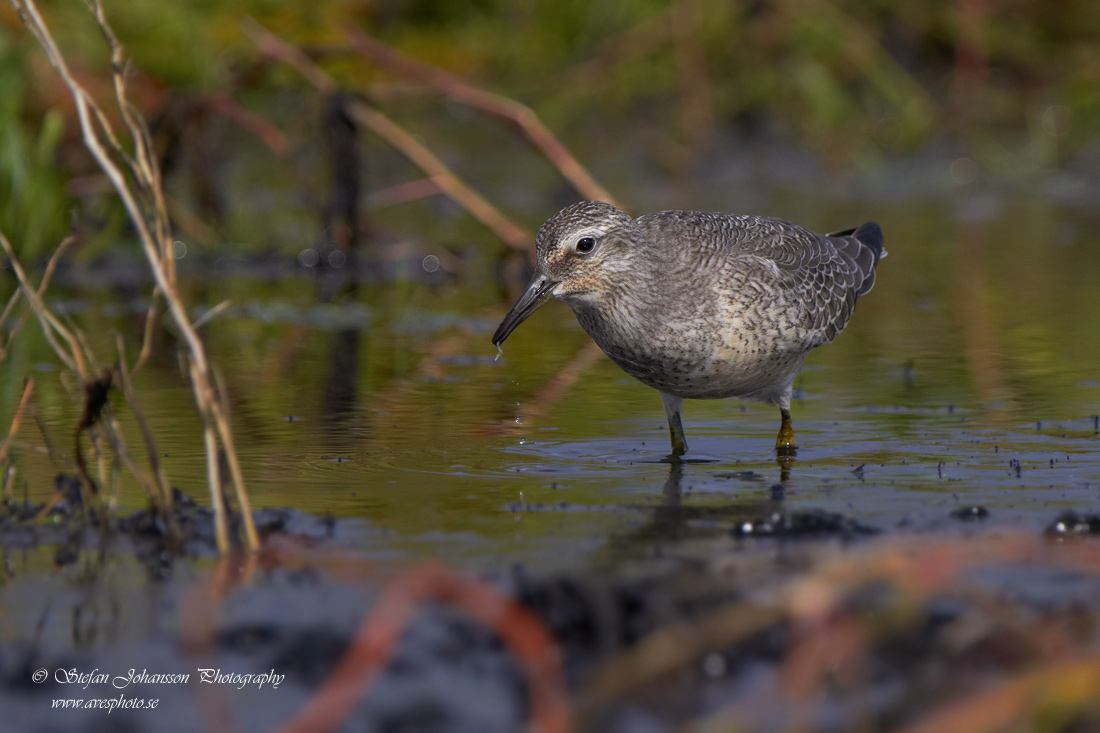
point(66, 527)
point(789, 618)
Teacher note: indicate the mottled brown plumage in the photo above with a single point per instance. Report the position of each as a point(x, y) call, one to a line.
point(701, 305)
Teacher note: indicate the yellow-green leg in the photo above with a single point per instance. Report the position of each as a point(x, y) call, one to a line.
point(675, 427)
point(784, 442)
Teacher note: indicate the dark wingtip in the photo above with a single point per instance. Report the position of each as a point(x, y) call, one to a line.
point(864, 255)
point(870, 234)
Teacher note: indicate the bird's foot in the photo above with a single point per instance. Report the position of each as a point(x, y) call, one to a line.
point(679, 445)
point(784, 442)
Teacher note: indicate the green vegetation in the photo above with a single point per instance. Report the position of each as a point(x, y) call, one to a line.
point(33, 205)
point(658, 84)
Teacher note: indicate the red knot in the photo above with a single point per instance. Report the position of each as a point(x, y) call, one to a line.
point(701, 305)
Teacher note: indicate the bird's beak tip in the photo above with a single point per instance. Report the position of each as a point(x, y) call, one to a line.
point(537, 293)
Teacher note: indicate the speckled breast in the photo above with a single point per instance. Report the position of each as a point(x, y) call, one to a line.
point(701, 358)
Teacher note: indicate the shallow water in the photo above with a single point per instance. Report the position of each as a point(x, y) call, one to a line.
point(977, 347)
point(969, 376)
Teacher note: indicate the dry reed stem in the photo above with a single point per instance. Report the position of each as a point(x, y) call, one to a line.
point(126, 384)
point(17, 419)
point(221, 413)
point(71, 357)
point(152, 316)
point(438, 172)
point(42, 286)
point(213, 469)
point(12, 302)
point(81, 340)
point(269, 134)
point(87, 109)
point(210, 315)
point(112, 430)
point(402, 193)
point(497, 105)
point(192, 225)
point(515, 237)
point(143, 163)
point(145, 201)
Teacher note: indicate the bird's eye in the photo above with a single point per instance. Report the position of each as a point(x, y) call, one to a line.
point(585, 244)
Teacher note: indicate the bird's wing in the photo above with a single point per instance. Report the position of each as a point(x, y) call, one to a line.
point(814, 278)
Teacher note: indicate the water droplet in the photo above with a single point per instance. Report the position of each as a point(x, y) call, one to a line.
point(179, 249)
point(519, 420)
point(431, 264)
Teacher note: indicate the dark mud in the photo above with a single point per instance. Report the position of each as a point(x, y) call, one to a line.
point(882, 657)
point(68, 526)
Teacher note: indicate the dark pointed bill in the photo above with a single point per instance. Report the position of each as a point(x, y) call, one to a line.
point(537, 293)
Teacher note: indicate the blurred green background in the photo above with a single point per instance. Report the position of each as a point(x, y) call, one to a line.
point(812, 90)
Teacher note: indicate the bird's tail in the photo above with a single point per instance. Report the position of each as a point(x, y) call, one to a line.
point(864, 245)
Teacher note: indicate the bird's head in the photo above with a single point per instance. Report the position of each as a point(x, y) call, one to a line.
point(581, 252)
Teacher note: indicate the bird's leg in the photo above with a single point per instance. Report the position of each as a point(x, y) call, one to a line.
point(675, 428)
point(784, 442)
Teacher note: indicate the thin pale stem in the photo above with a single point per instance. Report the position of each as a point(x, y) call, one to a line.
point(495, 104)
point(511, 234)
point(17, 419)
